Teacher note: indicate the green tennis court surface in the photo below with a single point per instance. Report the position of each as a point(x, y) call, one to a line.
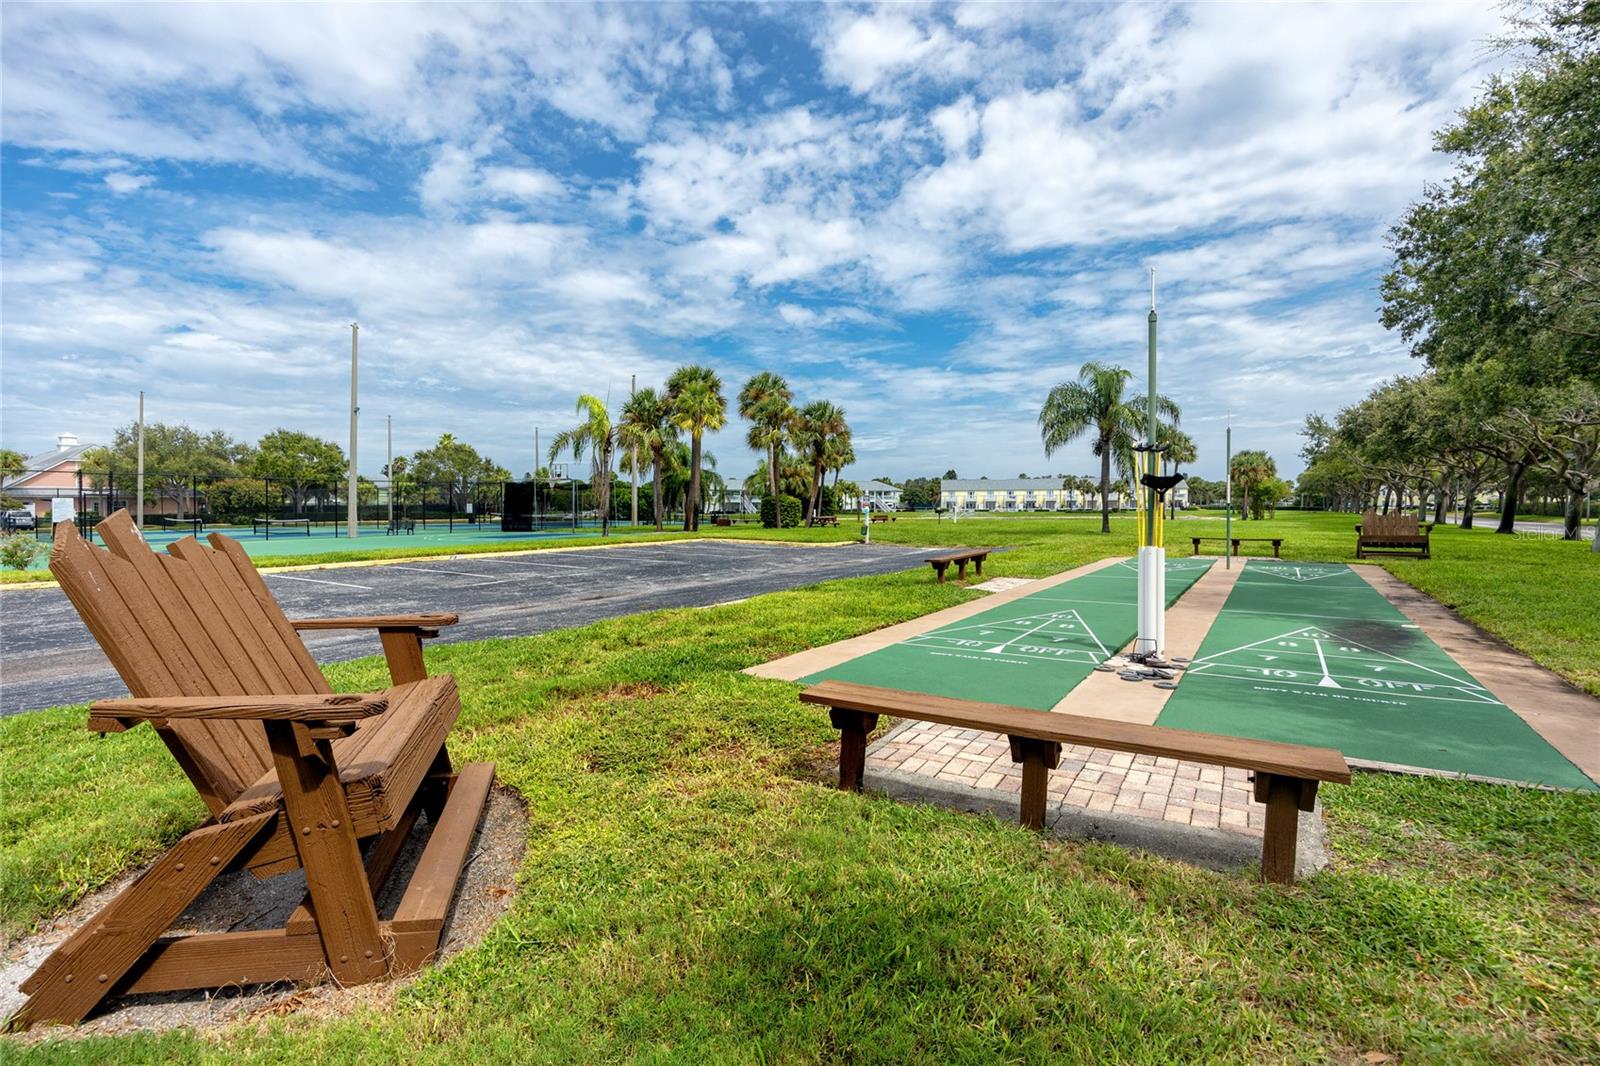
point(1029, 652)
point(1312, 654)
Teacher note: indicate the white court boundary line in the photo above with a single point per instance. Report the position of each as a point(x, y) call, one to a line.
point(1211, 664)
point(931, 639)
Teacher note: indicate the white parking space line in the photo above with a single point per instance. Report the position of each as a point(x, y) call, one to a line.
point(442, 570)
point(319, 581)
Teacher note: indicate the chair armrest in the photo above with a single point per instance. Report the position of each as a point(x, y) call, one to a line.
point(381, 621)
point(335, 707)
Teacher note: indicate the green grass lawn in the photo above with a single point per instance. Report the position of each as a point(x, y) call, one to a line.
point(694, 890)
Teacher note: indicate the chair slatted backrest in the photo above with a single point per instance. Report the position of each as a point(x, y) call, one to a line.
point(198, 621)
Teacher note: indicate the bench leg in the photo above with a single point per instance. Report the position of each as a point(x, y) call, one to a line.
point(854, 727)
point(978, 566)
point(1283, 797)
point(1275, 545)
point(1038, 758)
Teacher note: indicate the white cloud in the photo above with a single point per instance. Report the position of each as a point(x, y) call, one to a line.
point(522, 202)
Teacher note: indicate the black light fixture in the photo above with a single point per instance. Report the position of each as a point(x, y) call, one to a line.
point(1162, 483)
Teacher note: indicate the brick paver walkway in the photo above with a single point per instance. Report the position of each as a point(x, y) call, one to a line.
point(1092, 778)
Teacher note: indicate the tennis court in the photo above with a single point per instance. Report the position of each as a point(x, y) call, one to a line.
point(1029, 652)
point(291, 538)
point(1313, 654)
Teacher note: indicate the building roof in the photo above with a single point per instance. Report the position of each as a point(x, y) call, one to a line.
point(879, 486)
point(67, 450)
point(1000, 484)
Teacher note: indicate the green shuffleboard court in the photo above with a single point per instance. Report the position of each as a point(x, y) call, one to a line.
point(1312, 654)
point(1029, 652)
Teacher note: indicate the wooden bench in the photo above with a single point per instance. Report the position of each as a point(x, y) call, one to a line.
point(975, 556)
point(883, 518)
point(722, 521)
point(1286, 775)
point(1392, 534)
point(1277, 543)
point(823, 520)
point(400, 525)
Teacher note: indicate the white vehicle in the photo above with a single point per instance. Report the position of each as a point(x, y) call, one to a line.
point(21, 518)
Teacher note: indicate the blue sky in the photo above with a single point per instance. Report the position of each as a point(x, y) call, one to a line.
point(927, 214)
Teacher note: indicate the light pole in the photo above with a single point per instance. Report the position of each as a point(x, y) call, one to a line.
point(389, 469)
point(633, 381)
point(138, 486)
point(352, 515)
point(1227, 473)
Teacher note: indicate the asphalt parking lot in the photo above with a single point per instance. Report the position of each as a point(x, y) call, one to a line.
point(49, 659)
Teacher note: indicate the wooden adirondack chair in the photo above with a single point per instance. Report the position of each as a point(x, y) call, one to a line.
point(295, 776)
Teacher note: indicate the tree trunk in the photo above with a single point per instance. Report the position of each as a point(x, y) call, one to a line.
point(1467, 502)
point(772, 476)
point(1105, 488)
point(655, 489)
point(1509, 498)
point(691, 505)
point(1571, 522)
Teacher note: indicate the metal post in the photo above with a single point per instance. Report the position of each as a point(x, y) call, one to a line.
point(537, 516)
point(389, 433)
point(138, 481)
point(352, 517)
point(633, 381)
point(1152, 555)
point(1227, 522)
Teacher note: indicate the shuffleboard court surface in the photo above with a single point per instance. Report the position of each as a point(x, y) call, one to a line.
point(1312, 654)
point(1027, 653)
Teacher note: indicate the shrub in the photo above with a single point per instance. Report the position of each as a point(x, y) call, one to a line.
point(789, 512)
point(828, 504)
point(18, 551)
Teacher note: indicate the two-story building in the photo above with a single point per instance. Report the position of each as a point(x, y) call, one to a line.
point(1028, 494)
point(880, 496)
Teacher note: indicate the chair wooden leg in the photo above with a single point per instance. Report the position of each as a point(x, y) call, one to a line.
point(83, 970)
point(435, 789)
point(854, 727)
point(324, 835)
point(1038, 758)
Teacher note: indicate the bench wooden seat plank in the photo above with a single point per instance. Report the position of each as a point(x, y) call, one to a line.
point(1286, 775)
point(959, 559)
point(1392, 534)
point(1277, 543)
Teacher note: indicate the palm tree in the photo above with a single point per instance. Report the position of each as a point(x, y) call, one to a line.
point(1096, 402)
point(1180, 449)
point(598, 436)
point(819, 426)
point(767, 403)
point(695, 393)
point(646, 424)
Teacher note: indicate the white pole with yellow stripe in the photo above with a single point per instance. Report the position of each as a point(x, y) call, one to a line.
point(1152, 638)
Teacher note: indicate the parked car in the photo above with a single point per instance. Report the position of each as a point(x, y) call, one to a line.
point(21, 518)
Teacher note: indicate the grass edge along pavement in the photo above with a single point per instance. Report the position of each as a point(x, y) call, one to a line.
point(1315, 655)
point(695, 888)
point(1029, 652)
